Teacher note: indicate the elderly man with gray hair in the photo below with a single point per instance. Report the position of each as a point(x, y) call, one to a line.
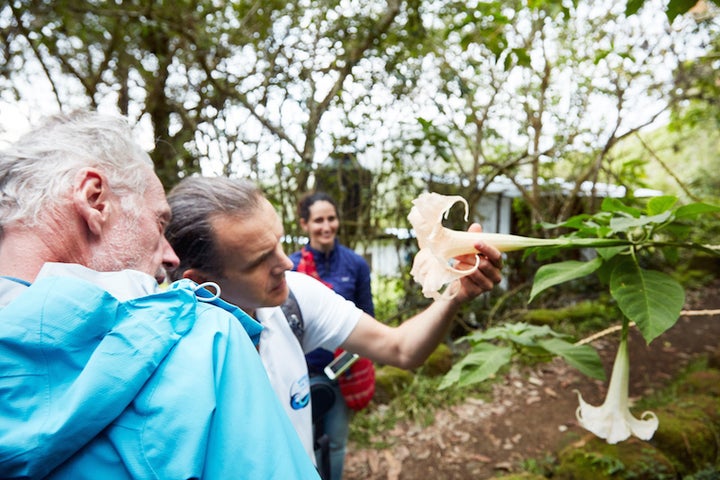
point(102, 373)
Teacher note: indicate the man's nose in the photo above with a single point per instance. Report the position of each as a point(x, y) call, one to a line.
point(169, 259)
point(284, 264)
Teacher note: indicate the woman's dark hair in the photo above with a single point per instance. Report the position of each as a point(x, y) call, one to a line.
point(309, 199)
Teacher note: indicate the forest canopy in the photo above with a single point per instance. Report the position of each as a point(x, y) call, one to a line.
point(384, 98)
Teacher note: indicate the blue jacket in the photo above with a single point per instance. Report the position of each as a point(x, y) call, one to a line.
point(349, 275)
point(162, 386)
point(346, 271)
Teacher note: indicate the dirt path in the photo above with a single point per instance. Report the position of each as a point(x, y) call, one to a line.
point(531, 411)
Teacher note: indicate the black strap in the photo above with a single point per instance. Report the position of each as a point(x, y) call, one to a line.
point(293, 315)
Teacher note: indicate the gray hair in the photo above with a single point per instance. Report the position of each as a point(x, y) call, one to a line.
point(37, 171)
point(195, 202)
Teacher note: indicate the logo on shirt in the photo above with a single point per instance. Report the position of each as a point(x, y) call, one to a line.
point(300, 393)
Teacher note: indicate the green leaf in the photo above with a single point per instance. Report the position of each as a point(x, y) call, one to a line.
point(678, 7)
point(542, 253)
point(550, 275)
point(526, 336)
point(492, 333)
point(620, 224)
point(678, 230)
point(649, 298)
point(523, 58)
point(671, 254)
point(605, 271)
point(601, 231)
point(694, 209)
point(572, 222)
point(521, 333)
point(633, 6)
point(582, 357)
point(610, 252)
point(661, 204)
point(483, 362)
point(614, 205)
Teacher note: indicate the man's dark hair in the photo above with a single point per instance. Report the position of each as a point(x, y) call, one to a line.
point(195, 202)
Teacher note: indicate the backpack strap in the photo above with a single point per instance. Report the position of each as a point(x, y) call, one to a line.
point(293, 315)
point(322, 396)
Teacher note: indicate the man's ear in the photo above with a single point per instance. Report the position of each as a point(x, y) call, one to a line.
point(197, 276)
point(200, 277)
point(91, 198)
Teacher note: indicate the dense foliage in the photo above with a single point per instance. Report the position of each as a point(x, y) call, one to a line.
point(632, 271)
point(389, 96)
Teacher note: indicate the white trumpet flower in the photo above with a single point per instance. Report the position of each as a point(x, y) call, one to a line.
point(433, 266)
point(612, 420)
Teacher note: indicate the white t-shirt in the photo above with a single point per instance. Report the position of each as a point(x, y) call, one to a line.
point(328, 320)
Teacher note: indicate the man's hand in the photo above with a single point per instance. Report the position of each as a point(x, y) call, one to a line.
point(489, 261)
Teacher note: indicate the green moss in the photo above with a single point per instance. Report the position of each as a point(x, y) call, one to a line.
point(439, 362)
point(687, 436)
point(703, 382)
point(520, 476)
point(389, 381)
point(710, 473)
point(541, 316)
point(594, 459)
point(579, 318)
point(714, 358)
point(710, 406)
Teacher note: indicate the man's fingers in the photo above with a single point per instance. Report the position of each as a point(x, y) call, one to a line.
point(492, 254)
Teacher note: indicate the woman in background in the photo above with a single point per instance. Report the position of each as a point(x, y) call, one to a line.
point(348, 274)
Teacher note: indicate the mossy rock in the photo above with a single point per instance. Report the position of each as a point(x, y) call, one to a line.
point(541, 316)
point(594, 459)
point(709, 405)
point(579, 312)
point(714, 358)
point(439, 362)
point(687, 436)
point(389, 381)
point(702, 382)
point(520, 476)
